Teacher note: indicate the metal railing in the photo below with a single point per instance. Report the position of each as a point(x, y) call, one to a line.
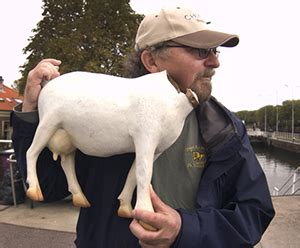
point(12, 161)
point(295, 137)
point(256, 132)
point(290, 186)
point(286, 136)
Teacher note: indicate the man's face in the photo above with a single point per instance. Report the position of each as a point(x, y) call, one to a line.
point(188, 70)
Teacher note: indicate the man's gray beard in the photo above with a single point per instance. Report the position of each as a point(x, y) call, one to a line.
point(203, 91)
point(202, 85)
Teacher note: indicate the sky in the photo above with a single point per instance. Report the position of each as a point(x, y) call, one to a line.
point(262, 70)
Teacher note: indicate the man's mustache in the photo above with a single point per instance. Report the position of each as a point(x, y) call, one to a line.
point(204, 74)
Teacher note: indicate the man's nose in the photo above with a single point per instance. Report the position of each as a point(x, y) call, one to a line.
point(212, 61)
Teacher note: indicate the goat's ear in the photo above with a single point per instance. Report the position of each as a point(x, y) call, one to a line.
point(149, 61)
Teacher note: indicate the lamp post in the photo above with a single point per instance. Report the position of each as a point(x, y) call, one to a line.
point(265, 120)
point(293, 117)
point(276, 112)
point(293, 110)
point(265, 117)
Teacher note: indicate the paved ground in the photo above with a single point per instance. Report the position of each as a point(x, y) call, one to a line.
point(53, 225)
point(284, 231)
point(50, 225)
point(59, 216)
point(13, 236)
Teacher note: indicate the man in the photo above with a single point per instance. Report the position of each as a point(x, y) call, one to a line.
point(209, 189)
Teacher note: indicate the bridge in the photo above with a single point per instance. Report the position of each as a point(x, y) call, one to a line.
point(283, 140)
point(257, 136)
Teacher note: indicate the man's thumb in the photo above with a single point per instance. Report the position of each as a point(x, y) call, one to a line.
point(157, 203)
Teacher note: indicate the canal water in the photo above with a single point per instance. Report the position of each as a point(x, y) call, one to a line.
point(277, 164)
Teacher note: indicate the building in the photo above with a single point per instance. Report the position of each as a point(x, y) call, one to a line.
point(9, 98)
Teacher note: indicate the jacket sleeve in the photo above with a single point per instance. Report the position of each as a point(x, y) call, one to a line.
point(234, 203)
point(50, 174)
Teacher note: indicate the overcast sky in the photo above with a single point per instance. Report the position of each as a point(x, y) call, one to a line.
point(263, 69)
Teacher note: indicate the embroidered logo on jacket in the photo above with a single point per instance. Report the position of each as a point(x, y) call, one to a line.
point(195, 156)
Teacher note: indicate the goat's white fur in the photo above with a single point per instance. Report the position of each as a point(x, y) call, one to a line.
point(102, 116)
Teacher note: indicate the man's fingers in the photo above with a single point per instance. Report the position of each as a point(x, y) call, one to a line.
point(54, 62)
point(156, 219)
point(45, 70)
point(140, 232)
point(150, 218)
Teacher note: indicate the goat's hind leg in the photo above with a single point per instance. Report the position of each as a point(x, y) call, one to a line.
point(68, 165)
point(41, 138)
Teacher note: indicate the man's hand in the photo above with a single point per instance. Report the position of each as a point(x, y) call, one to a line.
point(166, 220)
point(45, 70)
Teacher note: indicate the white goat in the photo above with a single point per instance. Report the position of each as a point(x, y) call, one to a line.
point(102, 116)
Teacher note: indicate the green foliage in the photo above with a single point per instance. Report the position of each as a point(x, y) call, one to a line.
point(247, 116)
point(284, 113)
point(86, 35)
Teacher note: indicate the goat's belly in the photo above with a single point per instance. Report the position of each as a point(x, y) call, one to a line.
point(106, 150)
point(101, 141)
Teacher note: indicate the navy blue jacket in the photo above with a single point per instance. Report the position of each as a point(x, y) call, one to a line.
point(234, 206)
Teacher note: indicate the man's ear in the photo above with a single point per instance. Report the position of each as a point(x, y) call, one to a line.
point(149, 62)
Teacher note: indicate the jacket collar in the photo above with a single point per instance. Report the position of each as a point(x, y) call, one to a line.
point(216, 125)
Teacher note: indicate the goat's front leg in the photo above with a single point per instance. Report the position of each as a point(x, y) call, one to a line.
point(144, 168)
point(125, 209)
point(125, 198)
point(68, 165)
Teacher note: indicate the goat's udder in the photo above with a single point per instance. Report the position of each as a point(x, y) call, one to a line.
point(60, 143)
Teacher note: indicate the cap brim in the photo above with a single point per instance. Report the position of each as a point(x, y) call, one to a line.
point(208, 39)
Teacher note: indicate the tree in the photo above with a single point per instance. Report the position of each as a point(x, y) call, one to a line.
point(247, 116)
point(86, 35)
point(284, 116)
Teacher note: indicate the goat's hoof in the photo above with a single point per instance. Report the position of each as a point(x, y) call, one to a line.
point(147, 226)
point(35, 193)
point(125, 210)
point(79, 200)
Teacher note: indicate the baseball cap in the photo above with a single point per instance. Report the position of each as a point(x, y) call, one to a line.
point(183, 26)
